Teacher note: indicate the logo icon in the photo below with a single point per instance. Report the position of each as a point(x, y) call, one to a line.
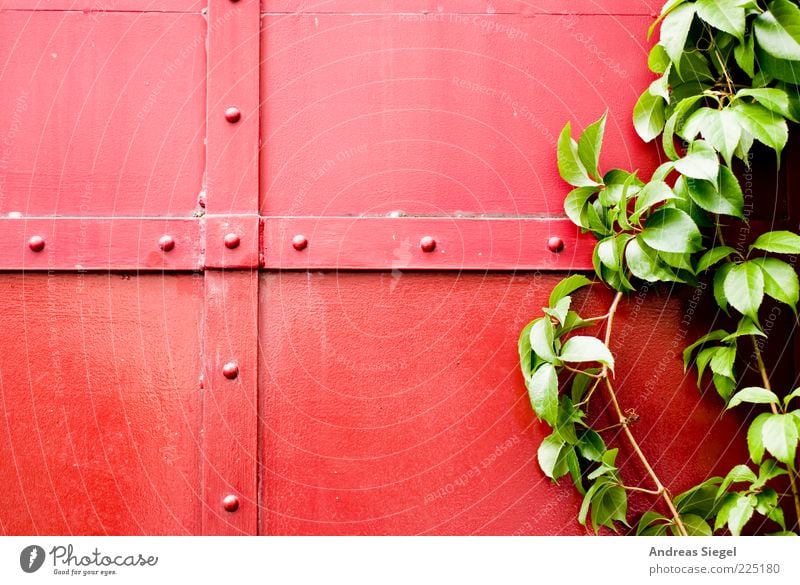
point(31, 558)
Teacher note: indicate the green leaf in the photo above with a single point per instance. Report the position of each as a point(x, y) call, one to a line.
point(567, 287)
point(731, 192)
point(746, 327)
point(767, 505)
point(725, 385)
point(658, 60)
point(700, 500)
point(774, 99)
point(676, 123)
point(739, 474)
point(707, 196)
point(542, 339)
point(578, 208)
point(767, 471)
point(772, 67)
point(753, 395)
point(675, 30)
point(744, 289)
point(587, 349)
point(767, 127)
point(569, 164)
point(722, 362)
point(581, 382)
point(672, 230)
point(713, 256)
point(643, 262)
point(543, 392)
point(589, 146)
point(652, 524)
point(778, 242)
point(695, 526)
point(610, 505)
point(591, 445)
point(780, 281)
point(789, 397)
point(560, 311)
point(755, 444)
point(587, 499)
point(525, 352)
point(713, 336)
point(723, 131)
point(719, 282)
point(652, 194)
point(736, 511)
point(548, 456)
point(649, 116)
point(700, 162)
point(780, 437)
point(778, 30)
point(745, 55)
point(725, 15)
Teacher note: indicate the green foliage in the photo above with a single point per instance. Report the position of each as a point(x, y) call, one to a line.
point(727, 76)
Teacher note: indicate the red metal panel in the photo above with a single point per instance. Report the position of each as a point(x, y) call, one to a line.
point(377, 243)
point(431, 8)
point(100, 404)
point(101, 114)
point(230, 442)
point(231, 306)
point(232, 144)
point(232, 241)
point(96, 6)
point(372, 114)
point(392, 403)
point(100, 244)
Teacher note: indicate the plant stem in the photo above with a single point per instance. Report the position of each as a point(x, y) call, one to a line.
point(765, 380)
point(638, 489)
point(660, 489)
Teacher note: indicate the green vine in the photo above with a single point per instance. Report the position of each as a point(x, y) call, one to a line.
point(728, 77)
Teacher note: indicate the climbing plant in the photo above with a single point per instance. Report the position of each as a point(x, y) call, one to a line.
point(727, 77)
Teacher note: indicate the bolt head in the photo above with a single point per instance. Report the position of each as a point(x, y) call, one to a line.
point(230, 503)
point(555, 244)
point(428, 244)
point(36, 243)
point(233, 114)
point(230, 370)
point(166, 243)
point(232, 241)
point(299, 242)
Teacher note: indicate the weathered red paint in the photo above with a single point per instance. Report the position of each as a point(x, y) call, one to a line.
point(388, 243)
point(390, 169)
point(100, 430)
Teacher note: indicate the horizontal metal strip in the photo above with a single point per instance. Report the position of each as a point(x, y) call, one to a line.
point(424, 243)
point(293, 243)
point(100, 244)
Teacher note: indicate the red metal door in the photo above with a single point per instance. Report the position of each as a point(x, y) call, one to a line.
point(266, 264)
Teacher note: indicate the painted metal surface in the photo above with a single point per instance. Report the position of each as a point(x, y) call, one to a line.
point(311, 249)
point(100, 430)
point(392, 404)
point(385, 243)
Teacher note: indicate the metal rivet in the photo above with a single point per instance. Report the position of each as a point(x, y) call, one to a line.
point(428, 244)
point(555, 244)
point(233, 114)
point(36, 243)
point(166, 243)
point(232, 241)
point(230, 370)
point(299, 242)
point(230, 503)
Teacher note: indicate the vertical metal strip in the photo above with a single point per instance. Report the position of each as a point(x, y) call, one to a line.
point(230, 330)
